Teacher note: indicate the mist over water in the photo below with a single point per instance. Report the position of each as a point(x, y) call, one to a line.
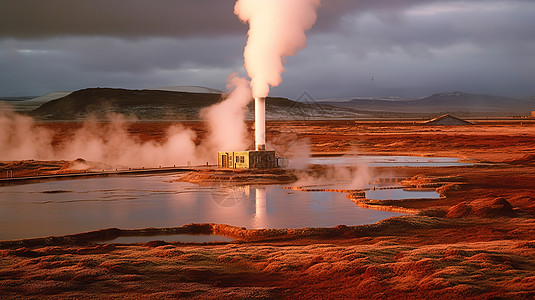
point(356, 175)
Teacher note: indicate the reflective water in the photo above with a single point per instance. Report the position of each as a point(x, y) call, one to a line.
point(388, 161)
point(400, 194)
point(74, 206)
point(185, 238)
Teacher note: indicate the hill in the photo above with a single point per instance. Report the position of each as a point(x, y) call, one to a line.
point(24, 104)
point(190, 89)
point(457, 102)
point(170, 105)
point(49, 97)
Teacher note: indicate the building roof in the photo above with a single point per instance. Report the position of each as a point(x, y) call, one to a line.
point(447, 120)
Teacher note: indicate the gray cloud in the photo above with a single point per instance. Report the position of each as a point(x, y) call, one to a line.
point(73, 63)
point(124, 18)
point(175, 18)
point(412, 47)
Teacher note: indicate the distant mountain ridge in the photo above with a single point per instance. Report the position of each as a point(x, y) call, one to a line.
point(170, 105)
point(445, 102)
point(186, 104)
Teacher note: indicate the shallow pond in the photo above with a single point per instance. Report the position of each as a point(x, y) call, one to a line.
point(185, 238)
point(388, 161)
point(401, 194)
point(130, 202)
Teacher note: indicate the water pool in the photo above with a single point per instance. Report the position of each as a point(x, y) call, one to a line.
point(130, 202)
point(388, 161)
point(185, 238)
point(401, 194)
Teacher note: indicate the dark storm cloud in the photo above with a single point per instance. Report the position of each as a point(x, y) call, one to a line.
point(70, 63)
point(420, 32)
point(101, 54)
point(473, 46)
point(412, 47)
point(128, 18)
point(139, 18)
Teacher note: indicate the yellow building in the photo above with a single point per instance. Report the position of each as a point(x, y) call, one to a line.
point(246, 159)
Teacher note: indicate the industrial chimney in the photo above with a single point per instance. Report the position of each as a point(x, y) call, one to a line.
point(259, 158)
point(260, 124)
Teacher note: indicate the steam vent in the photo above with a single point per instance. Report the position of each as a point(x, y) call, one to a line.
point(255, 159)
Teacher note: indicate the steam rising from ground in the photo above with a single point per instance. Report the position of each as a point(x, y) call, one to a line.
point(356, 176)
point(112, 146)
point(289, 145)
point(111, 143)
point(226, 119)
point(276, 31)
point(21, 139)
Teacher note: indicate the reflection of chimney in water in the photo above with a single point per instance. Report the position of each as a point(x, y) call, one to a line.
point(260, 213)
point(260, 123)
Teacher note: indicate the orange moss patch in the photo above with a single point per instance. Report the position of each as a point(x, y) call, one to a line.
point(484, 208)
point(501, 268)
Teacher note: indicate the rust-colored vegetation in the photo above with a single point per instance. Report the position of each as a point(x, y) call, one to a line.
point(475, 242)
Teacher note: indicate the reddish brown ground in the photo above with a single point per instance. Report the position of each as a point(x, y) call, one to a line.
point(477, 243)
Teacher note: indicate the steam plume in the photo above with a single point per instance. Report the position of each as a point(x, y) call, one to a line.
point(226, 119)
point(276, 30)
point(21, 139)
point(111, 143)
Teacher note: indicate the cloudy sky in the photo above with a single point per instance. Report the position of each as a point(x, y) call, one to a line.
point(411, 47)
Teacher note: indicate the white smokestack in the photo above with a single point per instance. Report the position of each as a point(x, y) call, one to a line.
point(260, 123)
point(276, 30)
